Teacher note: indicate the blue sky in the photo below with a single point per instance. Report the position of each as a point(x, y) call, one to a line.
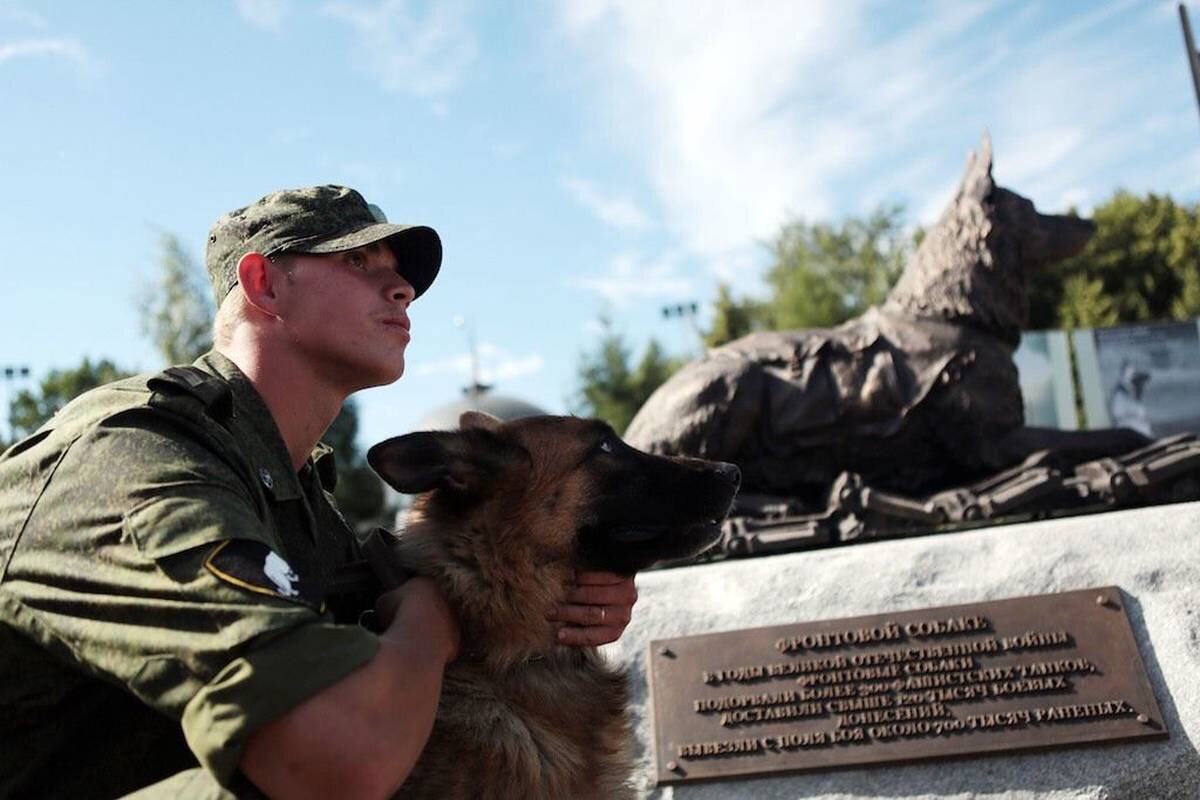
point(600, 157)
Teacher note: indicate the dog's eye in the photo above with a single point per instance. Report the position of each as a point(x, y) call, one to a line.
point(607, 446)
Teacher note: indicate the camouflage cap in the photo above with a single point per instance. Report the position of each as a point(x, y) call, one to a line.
point(316, 219)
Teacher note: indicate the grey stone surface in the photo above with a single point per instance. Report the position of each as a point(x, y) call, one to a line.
point(1152, 554)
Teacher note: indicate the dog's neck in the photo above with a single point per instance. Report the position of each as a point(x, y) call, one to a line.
point(502, 595)
point(958, 276)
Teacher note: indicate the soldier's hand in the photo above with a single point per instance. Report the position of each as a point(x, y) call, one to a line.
point(418, 611)
point(598, 608)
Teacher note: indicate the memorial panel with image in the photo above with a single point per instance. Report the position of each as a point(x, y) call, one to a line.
point(1143, 377)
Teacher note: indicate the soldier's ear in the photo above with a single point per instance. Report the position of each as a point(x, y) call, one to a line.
point(257, 278)
point(467, 463)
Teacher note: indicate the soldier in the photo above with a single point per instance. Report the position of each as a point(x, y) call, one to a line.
point(168, 550)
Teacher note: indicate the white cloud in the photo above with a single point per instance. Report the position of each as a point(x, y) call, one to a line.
point(1085, 22)
point(495, 365)
point(1190, 168)
point(64, 48)
point(1075, 197)
point(513, 368)
point(421, 50)
point(1168, 8)
point(593, 327)
point(1077, 121)
point(707, 89)
point(1039, 151)
point(22, 16)
point(292, 134)
point(631, 277)
point(619, 212)
point(743, 115)
point(506, 149)
point(936, 202)
point(264, 13)
point(454, 364)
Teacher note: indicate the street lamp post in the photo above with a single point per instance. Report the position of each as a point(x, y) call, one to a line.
point(1192, 56)
point(476, 386)
point(686, 312)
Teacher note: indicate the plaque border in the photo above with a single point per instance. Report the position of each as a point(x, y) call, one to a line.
point(669, 773)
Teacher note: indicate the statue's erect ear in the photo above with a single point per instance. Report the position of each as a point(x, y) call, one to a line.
point(467, 462)
point(977, 182)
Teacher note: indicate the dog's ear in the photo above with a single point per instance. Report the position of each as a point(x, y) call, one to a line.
point(463, 462)
point(977, 181)
point(478, 419)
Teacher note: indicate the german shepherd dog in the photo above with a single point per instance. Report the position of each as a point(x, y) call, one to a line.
point(507, 513)
point(915, 395)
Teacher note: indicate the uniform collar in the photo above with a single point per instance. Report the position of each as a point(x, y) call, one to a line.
point(253, 426)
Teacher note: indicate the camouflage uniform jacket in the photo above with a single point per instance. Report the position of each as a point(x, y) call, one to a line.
point(163, 578)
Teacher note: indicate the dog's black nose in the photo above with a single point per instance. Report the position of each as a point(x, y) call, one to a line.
point(729, 472)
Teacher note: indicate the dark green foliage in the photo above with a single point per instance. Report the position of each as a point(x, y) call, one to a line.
point(613, 390)
point(824, 274)
point(821, 275)
point(176, 308)
point(732, 318)
point(1084, 304)
point(29, 409)
point(359, 491)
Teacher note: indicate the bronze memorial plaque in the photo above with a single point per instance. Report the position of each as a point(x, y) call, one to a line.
point(1030, 672)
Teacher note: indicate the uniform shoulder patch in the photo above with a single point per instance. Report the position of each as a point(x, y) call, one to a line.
point(214, 394)
point(255, 567)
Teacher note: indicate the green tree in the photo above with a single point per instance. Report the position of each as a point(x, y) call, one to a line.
point(823, 274)
point(732, 318)
point(613, 390)
point(176, 307)
point(1084, 304)
point(1187, 304)
point(359, 492)
point(29, 409)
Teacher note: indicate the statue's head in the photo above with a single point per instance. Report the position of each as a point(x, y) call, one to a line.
point(973, 264)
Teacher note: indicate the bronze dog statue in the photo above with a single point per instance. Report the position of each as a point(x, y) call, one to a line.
point(915, 395)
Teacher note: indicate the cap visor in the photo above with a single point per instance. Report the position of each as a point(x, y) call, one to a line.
point(418, 249)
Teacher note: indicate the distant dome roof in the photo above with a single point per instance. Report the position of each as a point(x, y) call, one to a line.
point(445, 417)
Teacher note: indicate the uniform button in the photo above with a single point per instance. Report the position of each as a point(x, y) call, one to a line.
point(266, 478)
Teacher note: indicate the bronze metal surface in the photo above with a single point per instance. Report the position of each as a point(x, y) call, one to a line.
point(1018, 674)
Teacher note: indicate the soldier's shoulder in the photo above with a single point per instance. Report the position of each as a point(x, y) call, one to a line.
point(191, 391)
point(103, 401)
point(183, 390)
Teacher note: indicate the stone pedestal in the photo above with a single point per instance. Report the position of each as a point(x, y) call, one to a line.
point(1152, 554)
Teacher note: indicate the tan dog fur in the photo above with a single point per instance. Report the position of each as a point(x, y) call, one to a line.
point(520, 715)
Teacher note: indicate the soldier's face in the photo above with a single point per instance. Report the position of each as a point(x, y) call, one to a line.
point(347, 315)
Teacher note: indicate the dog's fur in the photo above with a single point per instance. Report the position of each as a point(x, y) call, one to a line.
point(916, 395)
point(509, 512)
